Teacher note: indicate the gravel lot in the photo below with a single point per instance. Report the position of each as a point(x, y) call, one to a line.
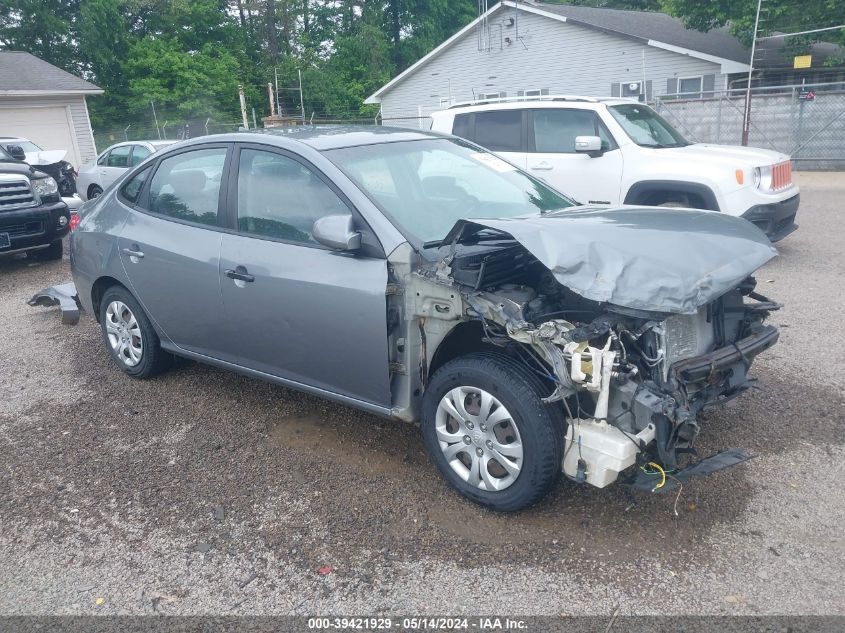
point(203, 492)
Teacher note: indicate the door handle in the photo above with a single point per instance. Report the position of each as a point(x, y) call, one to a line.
point(133, 252)
point(542, 166)
point(240, 274)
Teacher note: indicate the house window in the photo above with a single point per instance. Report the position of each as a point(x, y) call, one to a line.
point(690, 87)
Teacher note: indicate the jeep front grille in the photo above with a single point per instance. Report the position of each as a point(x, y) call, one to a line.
point(15, 193)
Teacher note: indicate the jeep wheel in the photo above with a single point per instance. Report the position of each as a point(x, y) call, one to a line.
point(129, 336)
point(488, 431)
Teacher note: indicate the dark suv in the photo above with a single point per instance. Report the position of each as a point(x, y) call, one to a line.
point(33, 217)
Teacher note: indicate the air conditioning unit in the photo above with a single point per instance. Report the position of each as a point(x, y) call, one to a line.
point(632, 89)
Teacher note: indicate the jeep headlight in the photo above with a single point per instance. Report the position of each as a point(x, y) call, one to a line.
point(763, 178)
point(45, 187)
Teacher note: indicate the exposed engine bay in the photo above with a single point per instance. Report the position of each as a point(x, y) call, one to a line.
point(631, 382)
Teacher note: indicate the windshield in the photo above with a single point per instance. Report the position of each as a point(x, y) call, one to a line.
point(426, 186)
point(26, 146)
point(646, 127)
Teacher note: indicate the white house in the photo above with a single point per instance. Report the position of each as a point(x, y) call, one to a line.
point(525, 48)
point(47, 105)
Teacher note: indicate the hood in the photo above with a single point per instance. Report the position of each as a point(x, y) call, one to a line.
point(660, 260)
point(45, 157)
point(750, 156)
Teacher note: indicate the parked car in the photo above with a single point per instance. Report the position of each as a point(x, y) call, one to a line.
point(51, 162)
point(422, 278)
point(616, 151)
point(33, 218)
point(95, 177)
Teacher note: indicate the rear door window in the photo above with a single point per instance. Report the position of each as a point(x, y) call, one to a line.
point(500, 131)
point(187, 186)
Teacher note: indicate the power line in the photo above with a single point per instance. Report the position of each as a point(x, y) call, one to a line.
point(828, 28)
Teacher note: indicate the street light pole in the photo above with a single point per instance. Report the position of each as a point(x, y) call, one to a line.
point(746, 120)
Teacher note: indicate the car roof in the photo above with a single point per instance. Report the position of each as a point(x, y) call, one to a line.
point(553, 101)
point(325, 137)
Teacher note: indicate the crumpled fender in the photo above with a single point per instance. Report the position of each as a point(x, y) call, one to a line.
point(64, 296)
point(655, 259)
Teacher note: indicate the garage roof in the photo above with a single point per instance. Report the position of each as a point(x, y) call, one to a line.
point(24, 74)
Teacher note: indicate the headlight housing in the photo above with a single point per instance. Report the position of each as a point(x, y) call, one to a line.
point(45, 187)
point(763, 178)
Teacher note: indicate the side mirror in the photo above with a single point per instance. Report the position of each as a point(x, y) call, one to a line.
point(16, 152)
point(337, 232)
point(588, 145)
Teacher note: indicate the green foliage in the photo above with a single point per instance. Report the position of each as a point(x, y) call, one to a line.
point(45, 28)
point(788, 16)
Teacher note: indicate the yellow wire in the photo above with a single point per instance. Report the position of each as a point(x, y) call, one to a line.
point(662, 474)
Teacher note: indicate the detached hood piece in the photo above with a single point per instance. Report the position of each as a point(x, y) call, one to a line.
point(661, 260)
point(45, 157)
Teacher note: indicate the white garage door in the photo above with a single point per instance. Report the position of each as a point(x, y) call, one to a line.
point(47, 127)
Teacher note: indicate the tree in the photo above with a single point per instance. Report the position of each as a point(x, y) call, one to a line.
point(780, 16)
point(45, 28)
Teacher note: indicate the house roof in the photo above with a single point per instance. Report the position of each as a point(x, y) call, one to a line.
point(24, 74)
point(650, 25)
point(652, 29)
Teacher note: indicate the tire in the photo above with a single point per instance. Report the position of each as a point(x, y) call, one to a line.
point(539, 430)
point(129, 336)
point(94, 191)
point(51, 253)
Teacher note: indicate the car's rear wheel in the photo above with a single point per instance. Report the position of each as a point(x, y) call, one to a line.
point(51, 253)
point(94, 191)
point(489, 433)
point(129, 336)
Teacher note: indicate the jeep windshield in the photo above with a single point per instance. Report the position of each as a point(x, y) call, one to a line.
point(645, 127)
point(426, 186)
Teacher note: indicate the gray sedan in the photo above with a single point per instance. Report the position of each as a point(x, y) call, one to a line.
point(421, 278)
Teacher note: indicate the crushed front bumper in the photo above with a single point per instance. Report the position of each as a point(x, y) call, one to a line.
point(776, 220)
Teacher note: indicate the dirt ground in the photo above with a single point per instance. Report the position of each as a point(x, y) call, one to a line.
point(204, 492)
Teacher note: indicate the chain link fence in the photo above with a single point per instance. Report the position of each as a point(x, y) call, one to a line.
point(167, 131)
point(805, 121)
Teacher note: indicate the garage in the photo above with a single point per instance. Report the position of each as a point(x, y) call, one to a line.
point(49, 127)
point(47, 105)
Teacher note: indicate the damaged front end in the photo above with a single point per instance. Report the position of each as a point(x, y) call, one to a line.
point(632, 379)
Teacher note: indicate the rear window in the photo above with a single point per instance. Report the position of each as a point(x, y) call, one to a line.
point(499, 131)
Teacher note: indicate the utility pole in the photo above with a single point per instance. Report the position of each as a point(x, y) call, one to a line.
point(746, 120)
point(276, 77)
point(301, 100)
point(243, 105)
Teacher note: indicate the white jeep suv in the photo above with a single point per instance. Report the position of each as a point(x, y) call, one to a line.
point(606, 152)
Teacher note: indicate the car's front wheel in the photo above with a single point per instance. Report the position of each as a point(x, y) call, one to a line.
point(129, 336)
point(490, 434)
point(94, 191)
